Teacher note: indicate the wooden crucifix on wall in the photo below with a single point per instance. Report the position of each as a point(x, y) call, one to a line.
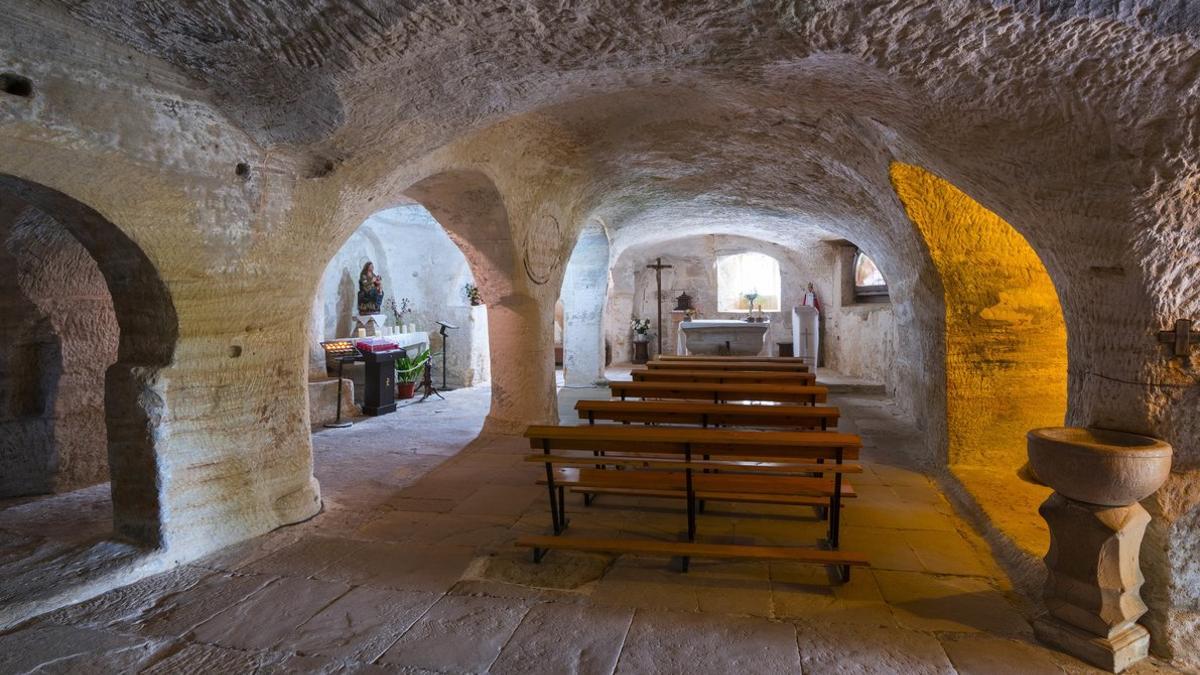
point(658, 267)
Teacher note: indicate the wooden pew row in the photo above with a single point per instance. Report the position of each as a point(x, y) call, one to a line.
point(718, 376)
point(720, 392)
point(709, 414)
point(675, 463)
point(703, 357)
point(729, 365)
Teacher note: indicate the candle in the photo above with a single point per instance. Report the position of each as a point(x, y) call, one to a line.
point(362, 332)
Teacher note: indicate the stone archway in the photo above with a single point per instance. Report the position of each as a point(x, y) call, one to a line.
point(148, 327)
point(584, 292)
point(1005, 349)
point(520, 329)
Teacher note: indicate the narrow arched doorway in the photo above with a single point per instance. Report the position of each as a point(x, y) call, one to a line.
point(1005, 349)
point(93, 324)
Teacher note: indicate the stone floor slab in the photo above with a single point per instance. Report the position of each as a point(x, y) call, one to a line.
point(565, 638)
point(461, 634)
point(305, 558)
point(176, 614)
point(25, 649)
point(360, 625)
point(405, 566)
point(263, 619)
point(869, 650)
point(952, 604)
point(685, 642)
point(987, 655)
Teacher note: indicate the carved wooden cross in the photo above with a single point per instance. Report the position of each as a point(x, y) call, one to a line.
point(658, 267)
point(1181, 338)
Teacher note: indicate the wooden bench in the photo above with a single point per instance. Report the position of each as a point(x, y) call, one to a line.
point(732, 376)
point(843, 560)
point(759, 467)
point(704, 357)
point(729, 365)
point(705, 414)
point(719, 392)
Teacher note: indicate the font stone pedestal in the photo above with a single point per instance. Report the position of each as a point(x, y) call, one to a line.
point(1093, 582)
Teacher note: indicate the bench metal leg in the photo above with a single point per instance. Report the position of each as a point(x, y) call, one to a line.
point(539, 553)
point(550, 488)
point(562, 509)
point(835, 507)
point(588, 498)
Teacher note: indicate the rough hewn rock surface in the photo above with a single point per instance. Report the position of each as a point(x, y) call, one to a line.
point(232, 146)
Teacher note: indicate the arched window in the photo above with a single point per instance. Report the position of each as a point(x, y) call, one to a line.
point(869, 284)
point(745, 277)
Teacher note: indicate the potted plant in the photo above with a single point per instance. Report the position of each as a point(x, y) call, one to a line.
point(472, 293)
point(408, 369)
point(641, 330)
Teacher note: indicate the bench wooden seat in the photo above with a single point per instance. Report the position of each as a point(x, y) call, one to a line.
point(755, 465)
point(729, 365)
point(696, 442)
point(841, 560)
point(727, 483)
point(733, 376)
point(741, 498)
point(714, 357)
point(705, 414)
point(719, 392)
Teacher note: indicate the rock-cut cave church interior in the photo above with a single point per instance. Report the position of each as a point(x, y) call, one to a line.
point(591, 337)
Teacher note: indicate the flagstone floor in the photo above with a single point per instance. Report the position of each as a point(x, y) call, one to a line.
point(411, 568)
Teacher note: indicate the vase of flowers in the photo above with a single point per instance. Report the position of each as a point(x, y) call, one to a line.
point(641, 330)
point(398, 310)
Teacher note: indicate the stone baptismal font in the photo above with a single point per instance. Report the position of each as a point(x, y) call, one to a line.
point(1096, 524)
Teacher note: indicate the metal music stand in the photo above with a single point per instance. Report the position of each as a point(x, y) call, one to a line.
point(442, 331)
point(427, 381)
point(341, 351)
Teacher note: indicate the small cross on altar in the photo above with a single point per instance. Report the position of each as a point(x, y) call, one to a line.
point(1181, 338)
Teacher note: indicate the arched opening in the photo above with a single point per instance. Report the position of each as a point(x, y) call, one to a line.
point(584, 291)
point(856, 341)
point(1005, 346)
point(519, 327)
point(425, 279)
point(92, 325)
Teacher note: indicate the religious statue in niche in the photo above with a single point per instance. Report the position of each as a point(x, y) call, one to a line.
point(370, 290)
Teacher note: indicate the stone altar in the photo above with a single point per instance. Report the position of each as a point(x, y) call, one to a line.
point(722, 336)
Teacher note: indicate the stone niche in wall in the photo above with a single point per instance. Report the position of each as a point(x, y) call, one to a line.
point(418, 261)
point(59, 335)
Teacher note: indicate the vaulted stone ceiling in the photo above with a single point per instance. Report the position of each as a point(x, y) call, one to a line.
point(786, 110)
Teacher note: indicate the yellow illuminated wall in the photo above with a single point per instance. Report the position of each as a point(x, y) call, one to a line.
point(1006, 352)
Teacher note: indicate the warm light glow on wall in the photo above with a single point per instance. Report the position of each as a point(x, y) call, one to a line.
point(1006, 352)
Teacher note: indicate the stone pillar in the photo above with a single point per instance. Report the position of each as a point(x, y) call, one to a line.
point(584, 292)
point(1093, 582)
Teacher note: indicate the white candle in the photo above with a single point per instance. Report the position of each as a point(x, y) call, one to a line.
point(362, 332)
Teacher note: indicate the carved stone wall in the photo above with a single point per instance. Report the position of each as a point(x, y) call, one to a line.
point(59, 336)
